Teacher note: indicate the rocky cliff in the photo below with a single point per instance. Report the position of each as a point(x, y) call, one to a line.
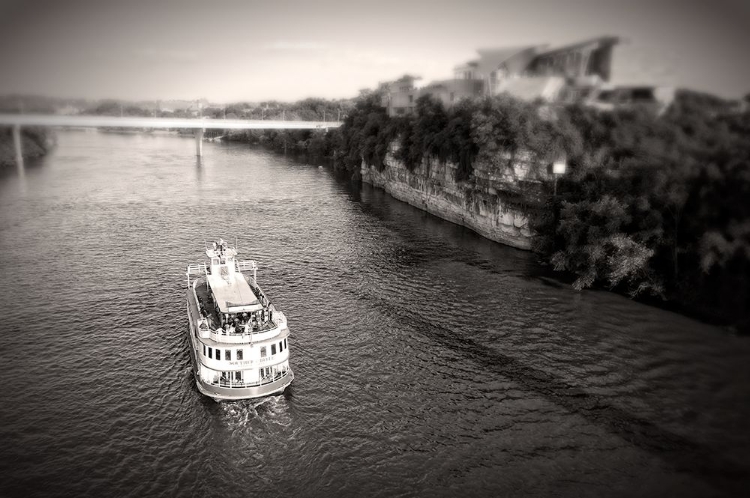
point(492, 202)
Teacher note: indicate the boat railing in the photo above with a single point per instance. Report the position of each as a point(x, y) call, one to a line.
point(239, 384)
point(196, 270)
point(242, 336)
point(247, 265)
point(259, 292)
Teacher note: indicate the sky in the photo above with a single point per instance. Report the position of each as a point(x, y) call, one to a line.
point(287, 50)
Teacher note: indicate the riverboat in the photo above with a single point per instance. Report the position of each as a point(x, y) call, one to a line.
point(238, 340)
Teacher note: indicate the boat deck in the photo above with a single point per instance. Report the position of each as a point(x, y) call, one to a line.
point(204, 296)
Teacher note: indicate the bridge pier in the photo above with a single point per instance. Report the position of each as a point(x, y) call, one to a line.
point(17, 146)
point(199, 142)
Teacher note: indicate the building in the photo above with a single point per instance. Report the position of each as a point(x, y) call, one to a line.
point(400, 96)
point(530, 88)
point(573, 72)
point(451, 91)
point(653, 98)
point(585, 62)
point(494, 65)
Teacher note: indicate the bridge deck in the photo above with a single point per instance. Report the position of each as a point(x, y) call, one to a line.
point(144, 122)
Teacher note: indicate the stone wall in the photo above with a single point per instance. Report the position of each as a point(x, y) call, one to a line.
point(481, 203)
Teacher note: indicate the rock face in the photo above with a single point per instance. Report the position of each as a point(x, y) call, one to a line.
point(487, 203)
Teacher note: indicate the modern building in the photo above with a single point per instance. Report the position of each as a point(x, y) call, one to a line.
point(654, 98)
point(574, 72)
point(584, 62)
point(494, 65)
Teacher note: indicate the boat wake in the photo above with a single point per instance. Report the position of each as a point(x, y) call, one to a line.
point(269, 410)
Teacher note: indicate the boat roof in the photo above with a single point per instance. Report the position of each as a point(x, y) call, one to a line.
point(233, 294)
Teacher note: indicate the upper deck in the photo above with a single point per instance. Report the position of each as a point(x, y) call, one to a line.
point(215, 317)
point(232, 293)
point(232, 303)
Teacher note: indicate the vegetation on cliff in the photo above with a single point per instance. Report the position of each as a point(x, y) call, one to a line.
point(657, 205)
point(650, 205)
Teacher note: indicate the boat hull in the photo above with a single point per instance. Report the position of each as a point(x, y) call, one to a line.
point(228, 393)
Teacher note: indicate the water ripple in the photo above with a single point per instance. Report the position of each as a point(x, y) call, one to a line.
point(428, 361)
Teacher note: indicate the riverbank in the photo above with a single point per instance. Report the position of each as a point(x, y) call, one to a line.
point(483, 212)
point(476, 205)
point(35, 143)
point(650, 206)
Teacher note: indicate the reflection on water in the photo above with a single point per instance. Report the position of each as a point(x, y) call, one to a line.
point(427, 360)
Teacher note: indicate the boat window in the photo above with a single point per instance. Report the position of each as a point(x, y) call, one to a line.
point(239, 354)
point(228, 355)
point(281, 346)
point(204, 350)
point(285, 343)
point(273, 348)
point(218, 354)
point(263, 352)
point(209, 352)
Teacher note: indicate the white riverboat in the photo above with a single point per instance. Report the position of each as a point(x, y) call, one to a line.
point(238, 340)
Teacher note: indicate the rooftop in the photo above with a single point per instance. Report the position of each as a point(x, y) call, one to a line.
point(233, 294)
point(602, 40)
point(492, 57)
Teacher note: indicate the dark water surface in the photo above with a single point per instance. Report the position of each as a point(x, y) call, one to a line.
point(428, 360)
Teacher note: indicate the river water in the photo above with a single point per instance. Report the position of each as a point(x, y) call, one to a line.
point(428, 360)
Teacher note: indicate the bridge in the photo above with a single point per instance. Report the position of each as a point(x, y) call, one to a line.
point(16, 121)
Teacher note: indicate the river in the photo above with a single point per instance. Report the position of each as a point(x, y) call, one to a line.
point(428, 361)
